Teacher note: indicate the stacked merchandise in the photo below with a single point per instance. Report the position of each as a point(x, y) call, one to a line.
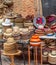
point(19, 21)
point(7, 24)
point(35, 40)
point(40, 32)
point(7, 33)
point(16, 33)
point(49, 29)
point(10, 46)
point(52, 57)
point(24, 34)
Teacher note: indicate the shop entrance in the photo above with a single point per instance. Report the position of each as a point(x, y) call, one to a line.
point(49, 7)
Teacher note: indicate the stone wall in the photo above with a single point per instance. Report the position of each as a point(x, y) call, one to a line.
point(24, 7)
point(27, 7)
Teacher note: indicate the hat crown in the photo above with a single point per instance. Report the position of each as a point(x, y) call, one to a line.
point(7, 21)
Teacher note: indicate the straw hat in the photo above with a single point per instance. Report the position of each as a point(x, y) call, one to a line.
point(11, 40)
point(35, 40)
point(8, 32)
point(24, 30)
point(15, 30)
point(53, 52)
point(7, 23)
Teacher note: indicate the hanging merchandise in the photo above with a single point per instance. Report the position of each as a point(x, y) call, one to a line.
point(51, 20)
point(1, 8)
point(39, 21)
point(8, 2)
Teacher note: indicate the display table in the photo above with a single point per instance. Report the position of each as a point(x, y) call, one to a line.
point(11, 55)
point(50, 37)
point(23, 44)
point(19, 42)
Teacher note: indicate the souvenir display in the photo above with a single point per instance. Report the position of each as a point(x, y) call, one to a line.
point(39, 22)
point(23, 26)
point(10, 46)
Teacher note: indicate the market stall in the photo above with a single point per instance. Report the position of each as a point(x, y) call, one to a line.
point(26, 30)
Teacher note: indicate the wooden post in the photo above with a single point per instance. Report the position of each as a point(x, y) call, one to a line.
point(38, 8)
point(12, 60)
point(36, 54)
point(41, 54)
point(28, 55)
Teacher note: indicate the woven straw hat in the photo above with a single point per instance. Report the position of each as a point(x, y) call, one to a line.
point(11, 40)
point(7, 23)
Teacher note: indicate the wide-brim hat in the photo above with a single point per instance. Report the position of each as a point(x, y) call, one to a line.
point(7, 23)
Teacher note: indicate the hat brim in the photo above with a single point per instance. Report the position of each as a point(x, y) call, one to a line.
point(4, 24)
